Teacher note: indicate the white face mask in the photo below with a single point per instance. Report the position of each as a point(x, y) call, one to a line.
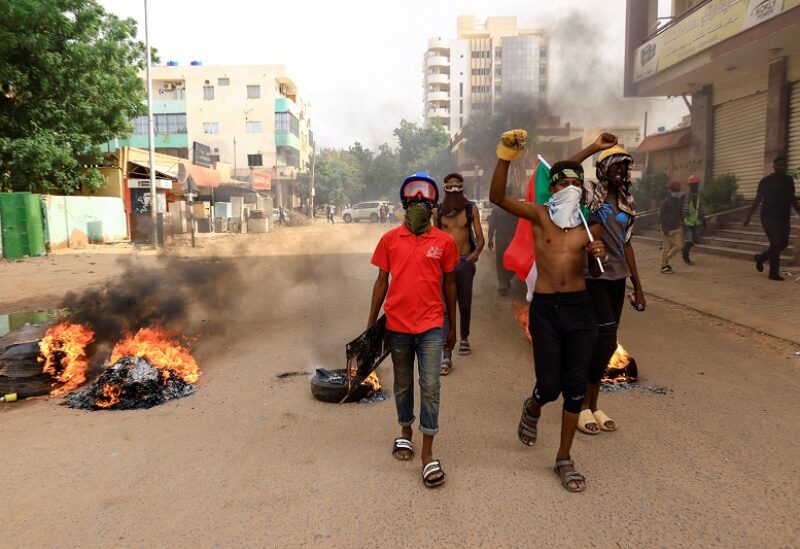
point(564, 207)
point(457, 188)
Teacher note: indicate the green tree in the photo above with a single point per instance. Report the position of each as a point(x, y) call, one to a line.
point(337, 178)
point(650, 191)
point(69, 79)
point(385, 175)
point(483, 130)
point(421, 147)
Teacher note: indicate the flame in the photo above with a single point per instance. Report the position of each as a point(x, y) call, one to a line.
point(155, 346)
point(373, 381)
point(63, 351)
point(521, 313)
point(110, 396)
point(617, 370)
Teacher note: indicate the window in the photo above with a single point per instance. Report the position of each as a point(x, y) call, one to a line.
point(287, 122)
point(169, 123)
point(542, 71)
point(542, 87)
point(498, 53)
point(481, 72)
point(288, 156)
point(498, 72)
point(254, 160)
point(481, 89)
point(210, 127)
point(542, 52)
point(208, 93)
point(140, 125)
point(461, 106)
point(497, 88)
point(253, 127)
point(223, 81)
point(253, 92)
point(461, 89)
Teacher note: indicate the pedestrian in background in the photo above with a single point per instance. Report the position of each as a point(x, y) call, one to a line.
point(502, 226)
point(671, 226)
point(777, 191)
point(693, 217)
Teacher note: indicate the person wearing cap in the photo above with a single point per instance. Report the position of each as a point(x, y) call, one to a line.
point(693, 217)
point(460, 218)
point(562, 323)
point(413, 260)
point(611, 206)
point(671, 213)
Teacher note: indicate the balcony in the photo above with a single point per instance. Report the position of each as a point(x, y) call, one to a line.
point(169, 106)
point(439, 113)
point(437, 61)
point(438, 44)
point(286, 139)
point(437, 78)
point(438, 96)
point(284, 104)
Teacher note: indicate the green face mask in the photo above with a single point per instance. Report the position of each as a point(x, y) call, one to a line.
point(418, 219)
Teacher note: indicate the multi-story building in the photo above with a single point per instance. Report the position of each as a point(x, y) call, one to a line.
point(250, 116)
point(486, 62)
point(739, 61)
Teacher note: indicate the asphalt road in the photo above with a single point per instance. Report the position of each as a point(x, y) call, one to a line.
point(253, 460)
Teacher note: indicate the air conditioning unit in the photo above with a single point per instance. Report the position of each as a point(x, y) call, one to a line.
point(168, 86)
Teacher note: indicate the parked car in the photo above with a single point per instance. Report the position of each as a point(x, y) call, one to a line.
point(363, 210)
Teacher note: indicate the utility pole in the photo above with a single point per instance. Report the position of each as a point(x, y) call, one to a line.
point(313, 165)
point(151, 132)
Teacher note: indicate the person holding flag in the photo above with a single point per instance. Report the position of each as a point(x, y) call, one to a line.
point(612, 208)
point(562, 321)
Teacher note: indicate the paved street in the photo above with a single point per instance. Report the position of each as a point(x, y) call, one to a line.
point(253, 460)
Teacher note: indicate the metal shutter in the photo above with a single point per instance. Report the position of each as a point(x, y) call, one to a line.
point(740, 136)
point(794, 127)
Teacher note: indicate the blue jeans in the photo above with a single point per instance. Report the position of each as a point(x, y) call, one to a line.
point(427, 347)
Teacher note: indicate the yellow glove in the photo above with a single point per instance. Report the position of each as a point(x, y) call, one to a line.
point(512, 144)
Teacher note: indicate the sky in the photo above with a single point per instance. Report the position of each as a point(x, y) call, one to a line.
point(360, 62)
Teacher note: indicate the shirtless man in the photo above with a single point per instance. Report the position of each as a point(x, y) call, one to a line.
point(562, 321)
point(461, 219)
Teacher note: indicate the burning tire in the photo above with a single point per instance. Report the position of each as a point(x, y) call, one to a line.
point(331, 386)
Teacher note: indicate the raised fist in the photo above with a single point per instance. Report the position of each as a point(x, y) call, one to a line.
point(606, 141)
point(512, 143)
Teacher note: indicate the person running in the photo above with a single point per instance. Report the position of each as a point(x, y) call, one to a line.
point(612, 206)
point(693, 216)
point(461, 219)
point(417, 256)
point(671, 213)
point(777, 192)
point(562, 321)
point(502, 226)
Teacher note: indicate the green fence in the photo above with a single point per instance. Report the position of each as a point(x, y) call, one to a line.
point(22, 227)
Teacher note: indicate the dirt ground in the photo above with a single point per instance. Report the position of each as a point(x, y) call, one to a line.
point(253, 460)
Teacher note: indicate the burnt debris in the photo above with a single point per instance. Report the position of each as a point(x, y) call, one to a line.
point(132, 383)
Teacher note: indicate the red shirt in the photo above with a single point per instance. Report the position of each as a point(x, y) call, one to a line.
point(414, 302)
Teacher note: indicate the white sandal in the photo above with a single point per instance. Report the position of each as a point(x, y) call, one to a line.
point(586, 418)
point(602, 419)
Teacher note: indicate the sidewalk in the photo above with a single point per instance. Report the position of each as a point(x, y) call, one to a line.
point(729, 289)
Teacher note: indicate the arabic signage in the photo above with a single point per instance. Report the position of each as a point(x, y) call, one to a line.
point(705, 27)
point(201, 155)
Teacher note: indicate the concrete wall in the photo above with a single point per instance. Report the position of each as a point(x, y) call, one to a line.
point(74, 221)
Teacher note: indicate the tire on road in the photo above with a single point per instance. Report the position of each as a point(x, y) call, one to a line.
point(327, 391)
point(373, 217)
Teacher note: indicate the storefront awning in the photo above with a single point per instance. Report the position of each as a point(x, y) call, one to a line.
point(167, 171)
point(665, 141)
point(200, 176)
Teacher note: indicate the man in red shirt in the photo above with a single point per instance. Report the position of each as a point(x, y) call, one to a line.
point(417, 256)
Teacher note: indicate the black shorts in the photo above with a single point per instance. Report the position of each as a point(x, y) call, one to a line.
point(564, 331)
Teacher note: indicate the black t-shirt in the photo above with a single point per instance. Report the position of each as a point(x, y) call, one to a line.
point(777, 193)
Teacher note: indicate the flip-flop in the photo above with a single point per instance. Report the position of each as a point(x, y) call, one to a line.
point(586, 418)
point(524, 429)
point(446, 367)
point(570, 476)
point(602, 419)
point(431, 469)
point(402, 444)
